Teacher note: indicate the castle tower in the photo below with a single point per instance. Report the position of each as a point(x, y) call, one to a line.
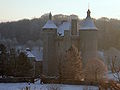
point(88, 39)
point(49, 49)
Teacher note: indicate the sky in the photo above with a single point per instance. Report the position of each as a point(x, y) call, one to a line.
point(12, 10)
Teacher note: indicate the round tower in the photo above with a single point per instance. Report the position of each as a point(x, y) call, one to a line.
point(49, 48)
point(88, 38)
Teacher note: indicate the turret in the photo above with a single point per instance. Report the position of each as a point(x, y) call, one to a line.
point(88, 38)
point(50, 26)
point(49, 48)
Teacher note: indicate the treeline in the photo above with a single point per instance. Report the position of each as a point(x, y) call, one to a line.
point(14, 63)
point(28, 32)
point(109, 33)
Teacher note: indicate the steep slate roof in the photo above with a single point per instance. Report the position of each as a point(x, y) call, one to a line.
point(88, 23)
point(64, 26)
point(28, 53)
point(38, 53)
point(50, 24)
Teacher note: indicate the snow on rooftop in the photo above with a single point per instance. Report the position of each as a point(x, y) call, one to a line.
point(29, 54)
point(88, 23)
point(50, 24)
point(38, 53)
point(64, 26)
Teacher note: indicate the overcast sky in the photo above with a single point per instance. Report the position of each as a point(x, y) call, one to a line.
point(11, 10)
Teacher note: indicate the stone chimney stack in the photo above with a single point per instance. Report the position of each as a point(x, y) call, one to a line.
point(74, 27)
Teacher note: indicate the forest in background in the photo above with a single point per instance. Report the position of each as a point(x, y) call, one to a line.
point(28, 32)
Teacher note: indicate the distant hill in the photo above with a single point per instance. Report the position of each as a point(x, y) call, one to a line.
point(26, 31)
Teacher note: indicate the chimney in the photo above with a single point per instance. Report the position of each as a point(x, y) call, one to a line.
point(74, 27)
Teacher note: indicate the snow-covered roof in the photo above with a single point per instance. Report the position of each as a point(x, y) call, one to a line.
point(64, 26)
point(50, 24)
point(28, 53)
point(88, 23)
point(38, 53)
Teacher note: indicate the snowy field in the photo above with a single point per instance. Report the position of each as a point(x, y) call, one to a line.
point(22, 86)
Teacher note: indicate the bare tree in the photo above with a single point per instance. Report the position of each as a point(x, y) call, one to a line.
point(95, 70)
point(115, 68)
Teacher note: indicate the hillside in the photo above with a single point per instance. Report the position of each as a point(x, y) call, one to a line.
point(26, 32)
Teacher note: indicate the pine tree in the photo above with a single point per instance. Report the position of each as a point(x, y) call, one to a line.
point(12, 62)
point(23, 65)
point(3, 60)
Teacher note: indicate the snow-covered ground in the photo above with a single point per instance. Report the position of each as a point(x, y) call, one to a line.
point(38, 86)
point(113, 76)
point(22, 86)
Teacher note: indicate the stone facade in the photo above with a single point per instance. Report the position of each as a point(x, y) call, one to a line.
point(55, 45)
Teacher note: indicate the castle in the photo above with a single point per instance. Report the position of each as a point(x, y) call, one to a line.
point(59, 39)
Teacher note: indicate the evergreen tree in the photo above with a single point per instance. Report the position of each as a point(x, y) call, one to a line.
point(12, 62)
point(23, 65)
point(3, 60)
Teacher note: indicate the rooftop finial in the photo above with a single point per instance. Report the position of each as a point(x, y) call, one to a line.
point(50, 16)
point(88, 13)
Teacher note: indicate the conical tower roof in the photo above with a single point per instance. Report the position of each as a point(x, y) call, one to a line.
point(88, 23)
point(50, 24)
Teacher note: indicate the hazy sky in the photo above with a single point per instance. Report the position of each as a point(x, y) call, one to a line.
point(11, 10)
